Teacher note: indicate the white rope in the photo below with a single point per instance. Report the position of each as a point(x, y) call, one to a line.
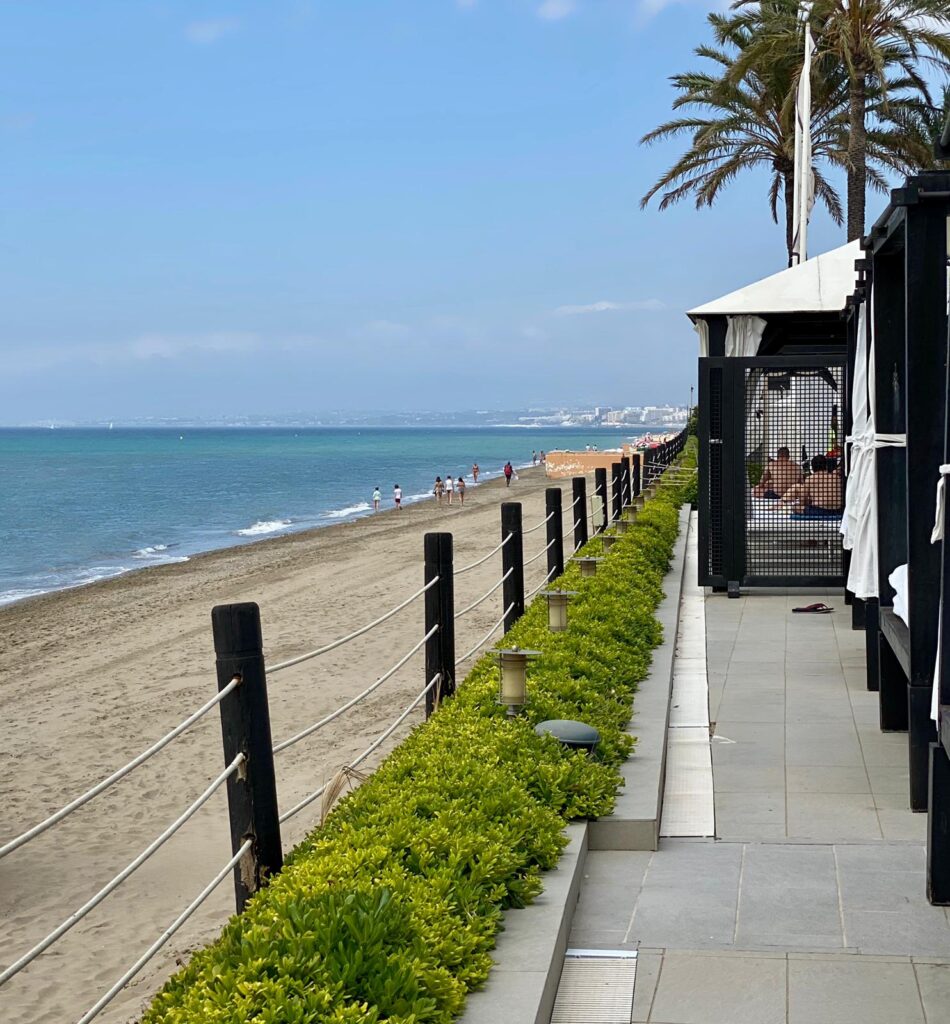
point(546, 519)
point(484, 558)
point(486, 637)
point(307, 800)
point(534, 558)
point(311, 729)
point(484, 596)
point(271, 669)
point(543, 582)
point(132, 866)
point(107, 997)
point(121, 773)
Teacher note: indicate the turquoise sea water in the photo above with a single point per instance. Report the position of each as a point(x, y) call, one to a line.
point(82, 505)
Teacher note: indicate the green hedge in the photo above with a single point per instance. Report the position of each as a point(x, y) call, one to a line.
point(389, 911)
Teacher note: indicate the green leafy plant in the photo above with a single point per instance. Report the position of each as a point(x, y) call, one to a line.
point(388, 912)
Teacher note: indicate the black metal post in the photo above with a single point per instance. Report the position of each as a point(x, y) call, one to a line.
point(635, 461)
point(938, 827)
point(600, 489)
point(512, 557)
point(440, 611)
point(245, 729)
point(579, 492)
point(616, 470)
point(626, 499)
point(555, 532)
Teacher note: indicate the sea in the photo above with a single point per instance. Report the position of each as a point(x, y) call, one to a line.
point(80, 505)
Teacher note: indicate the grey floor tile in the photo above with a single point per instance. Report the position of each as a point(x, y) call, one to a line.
point(789, 898)
point(609, 890)
point(738, 813)
point(805, 750)
point(885, 890)
point(889, 778)
point(648, 971)
point(902, 824)
point(720, 990)
point(831, 816)
point(872, 857)
point(842, 992)
point(934, 983)
point(740, 778)
point(827, 779)
point(912, 933)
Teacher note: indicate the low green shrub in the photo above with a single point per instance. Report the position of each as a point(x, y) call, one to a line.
point(388, 912)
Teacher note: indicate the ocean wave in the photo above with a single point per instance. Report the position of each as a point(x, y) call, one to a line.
point(264, 526)
point(151, 551)
point(350, 510)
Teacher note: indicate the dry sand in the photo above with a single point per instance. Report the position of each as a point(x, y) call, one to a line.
point(90, 677)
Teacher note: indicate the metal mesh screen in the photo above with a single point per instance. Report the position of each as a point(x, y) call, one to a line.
point(794, 493)
point(715, 471)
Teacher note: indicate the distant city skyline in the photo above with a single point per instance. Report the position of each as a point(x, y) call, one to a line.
point(303, 206)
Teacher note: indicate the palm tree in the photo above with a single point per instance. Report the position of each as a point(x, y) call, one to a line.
point(741, 122)
point(882, 46)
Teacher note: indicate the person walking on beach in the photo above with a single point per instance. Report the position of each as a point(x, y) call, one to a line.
point(508, 471)
point(475, 473)
point(534, 457)
point(377, 497)
point(541, 459)
point(448, 488)
point(460, 487)
point(397, 495)
point(439, 490)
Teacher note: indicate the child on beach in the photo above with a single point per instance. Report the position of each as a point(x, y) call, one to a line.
point(448, 488)
point(377, 497)
point(397, 495)
point(475, 473)
point(460, 487)
point(438, 490)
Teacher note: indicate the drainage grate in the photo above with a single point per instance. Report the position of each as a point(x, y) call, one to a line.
point(596, 987)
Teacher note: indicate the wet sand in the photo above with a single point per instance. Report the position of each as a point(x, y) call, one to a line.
point(90, 677)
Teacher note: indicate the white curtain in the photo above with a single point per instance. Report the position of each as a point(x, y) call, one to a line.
point(743, 334)
point(702, 329)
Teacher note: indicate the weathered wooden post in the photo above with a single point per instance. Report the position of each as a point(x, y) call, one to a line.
point(245, 729)
point(440, 611)
point(512, 558)
point(616, 471)
point(626, 478)
point(600, 489)
point(579, 492)
point(555, 532)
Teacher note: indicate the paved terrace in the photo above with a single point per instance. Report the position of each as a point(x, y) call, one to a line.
point(808, 907)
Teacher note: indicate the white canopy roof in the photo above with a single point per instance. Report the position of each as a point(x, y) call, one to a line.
point(818, 285)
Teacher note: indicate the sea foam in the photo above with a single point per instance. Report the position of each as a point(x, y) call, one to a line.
point(264, 526)
point(344, 513)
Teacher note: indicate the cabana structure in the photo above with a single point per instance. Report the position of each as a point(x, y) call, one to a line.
point(771, 397)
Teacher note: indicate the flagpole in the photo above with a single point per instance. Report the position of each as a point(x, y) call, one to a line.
point(802, 184)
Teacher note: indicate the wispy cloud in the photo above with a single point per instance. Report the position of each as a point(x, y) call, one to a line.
point(554, 10)
point(609, 307)
point(210, 30)
point(649, 9)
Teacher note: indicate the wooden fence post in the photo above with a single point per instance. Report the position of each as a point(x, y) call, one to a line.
point(440, 611)
point(512, 557)
point(600, 489)
point(555, 532)
point(245, 729)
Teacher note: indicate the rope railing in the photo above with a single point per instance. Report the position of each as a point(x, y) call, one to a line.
point(484, 558)
point(108, 996)
point(485, 596)
point(311, 729)
point(534, 558)
point(129, 869)
point(271, 669)
point(486, 637)
point(543, 583)
point(546, 519)
point(307, 800)
point(120, 773)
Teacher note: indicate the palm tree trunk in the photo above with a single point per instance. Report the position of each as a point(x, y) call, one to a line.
point(857, 156)
point(789, 178)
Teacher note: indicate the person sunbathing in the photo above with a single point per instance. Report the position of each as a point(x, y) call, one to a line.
point(821, 494)
point(780, 475)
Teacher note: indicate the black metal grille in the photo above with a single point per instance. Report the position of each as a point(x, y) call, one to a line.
point(715, 471)
point(794, 480)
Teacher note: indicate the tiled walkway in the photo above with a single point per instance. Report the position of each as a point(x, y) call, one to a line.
point(809, 906)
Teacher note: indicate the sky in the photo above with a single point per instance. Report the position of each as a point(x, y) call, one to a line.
point(296, 207)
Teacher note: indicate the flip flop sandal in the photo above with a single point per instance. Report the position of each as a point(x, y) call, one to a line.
point(817, 609)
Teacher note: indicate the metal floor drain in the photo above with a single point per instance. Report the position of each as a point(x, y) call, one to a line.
point(596, 987)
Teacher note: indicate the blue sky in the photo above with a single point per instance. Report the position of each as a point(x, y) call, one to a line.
point(302, 206)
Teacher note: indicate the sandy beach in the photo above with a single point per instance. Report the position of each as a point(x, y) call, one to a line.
point(90, 677)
